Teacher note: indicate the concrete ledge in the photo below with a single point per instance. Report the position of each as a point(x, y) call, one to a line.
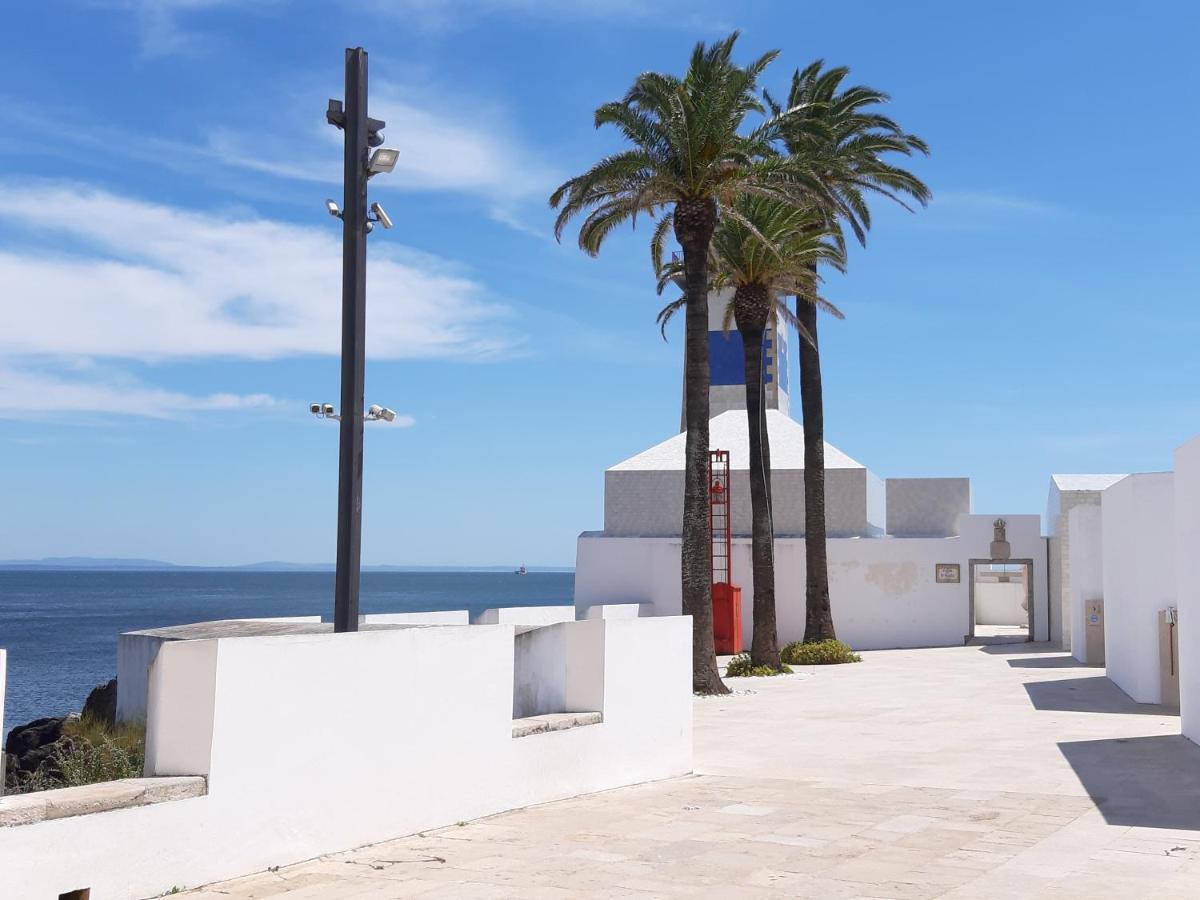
point(26, 809)
point(553, 722)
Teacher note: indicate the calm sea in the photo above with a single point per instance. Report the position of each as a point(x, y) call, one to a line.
point(60, 628)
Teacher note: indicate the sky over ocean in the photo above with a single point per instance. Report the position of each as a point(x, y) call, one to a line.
point(170, 300)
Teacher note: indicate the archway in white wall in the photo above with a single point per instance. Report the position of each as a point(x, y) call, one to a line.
point(999, 572)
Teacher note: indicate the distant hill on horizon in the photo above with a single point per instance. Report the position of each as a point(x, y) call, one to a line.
point(105, 564)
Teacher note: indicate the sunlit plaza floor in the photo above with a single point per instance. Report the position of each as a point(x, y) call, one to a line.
point(998, 770)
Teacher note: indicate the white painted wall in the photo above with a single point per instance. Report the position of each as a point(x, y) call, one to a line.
point(424, 716)
point(926, 507)
point(526, 615)
point(1187, 572)
point(1000, 603)
point(3, 733)
point(558, 668)
point(435, 617)
point(135, 654)
point(884, 592)
point(1138, 522)
point(1086, 566)
point(1026, 541)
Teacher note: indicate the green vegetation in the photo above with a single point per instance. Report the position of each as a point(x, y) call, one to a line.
point(819, 653)
point(90, 751)
point(741, 666)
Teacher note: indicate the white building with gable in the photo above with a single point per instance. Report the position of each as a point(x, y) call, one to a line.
point(895, 544)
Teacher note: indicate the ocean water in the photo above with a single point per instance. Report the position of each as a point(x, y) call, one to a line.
point(60, 627)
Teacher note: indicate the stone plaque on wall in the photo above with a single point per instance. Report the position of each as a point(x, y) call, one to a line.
point(948, 573)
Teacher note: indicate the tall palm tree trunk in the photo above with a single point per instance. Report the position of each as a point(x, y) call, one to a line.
point(818, 620)
point(764, 645)
point(694, 225)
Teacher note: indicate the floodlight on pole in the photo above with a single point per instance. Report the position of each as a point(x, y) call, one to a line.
point(374, 413)
point(382, 160)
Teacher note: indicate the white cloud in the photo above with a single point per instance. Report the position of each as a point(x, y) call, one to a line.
point(159, 21)
point(472, 150)
point(147, 281)
point(27, 392)
point(89, 275)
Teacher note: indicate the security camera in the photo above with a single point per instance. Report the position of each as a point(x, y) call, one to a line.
point(314, 408)
point(374, 412)
point(387, 415)
point(333, 209)
point(380, 215)
point(329, 409)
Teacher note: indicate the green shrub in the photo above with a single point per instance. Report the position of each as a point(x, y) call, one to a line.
point(741, 667)
point(818, 653)
point(89, 752)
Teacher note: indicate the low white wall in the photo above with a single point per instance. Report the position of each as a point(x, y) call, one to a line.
point(559, 668)
point(423, 720)
point(614, 611)
point(135, 654)
point(526, 615)
point(435, 617)
point(1000, 603)
point(884, 592)
point(1187, 573)
point(1139, 578)
point(1086, 564)
point(3, 733)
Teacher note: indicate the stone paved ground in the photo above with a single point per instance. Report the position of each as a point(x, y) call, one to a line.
point(1000, 771)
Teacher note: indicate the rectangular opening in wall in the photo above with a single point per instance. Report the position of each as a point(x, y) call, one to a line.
point(80, 894)
point(1001, 600)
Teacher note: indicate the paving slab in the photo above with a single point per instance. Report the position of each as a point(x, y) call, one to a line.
point(1003, 770)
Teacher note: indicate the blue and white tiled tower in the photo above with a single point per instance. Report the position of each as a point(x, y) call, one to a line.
point(727, 364)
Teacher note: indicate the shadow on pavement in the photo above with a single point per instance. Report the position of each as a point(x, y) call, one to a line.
point(1093, 693)
point(1152, 782)
point(1048, 662)
point(1004, 646)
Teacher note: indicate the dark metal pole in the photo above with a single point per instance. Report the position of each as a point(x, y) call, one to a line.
point(354, 309)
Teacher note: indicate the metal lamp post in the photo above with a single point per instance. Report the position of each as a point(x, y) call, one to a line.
point(361, 133)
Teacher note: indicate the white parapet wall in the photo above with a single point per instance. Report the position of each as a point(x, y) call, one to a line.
point(1000, 603)
point(434, 617)
point(1139, 578)
point(315, 743)
point(1086, 566)
point(136, 651)
point(884, 590)
point(3, 674)
point(1187, 573)
point(526, 615)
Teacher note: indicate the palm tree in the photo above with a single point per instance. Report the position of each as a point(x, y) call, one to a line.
point(690, 158)
point(834, 130)
point(768, 250)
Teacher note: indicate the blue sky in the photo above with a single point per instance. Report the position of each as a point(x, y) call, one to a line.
point(169, 277)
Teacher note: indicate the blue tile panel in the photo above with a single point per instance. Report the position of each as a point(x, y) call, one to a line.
point(725, 358)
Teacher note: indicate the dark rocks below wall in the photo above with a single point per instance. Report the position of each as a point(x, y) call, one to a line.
point(36, 747)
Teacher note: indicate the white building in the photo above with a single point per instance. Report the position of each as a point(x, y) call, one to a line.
point(1066, 493)
point(888, 538)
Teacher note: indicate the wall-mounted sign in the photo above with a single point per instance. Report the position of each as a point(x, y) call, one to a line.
point(948, 573)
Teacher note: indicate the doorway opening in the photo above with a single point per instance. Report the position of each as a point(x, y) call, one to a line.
point(1001, 600)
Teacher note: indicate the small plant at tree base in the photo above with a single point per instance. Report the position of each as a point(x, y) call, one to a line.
point(742, 667)
point(818, 653)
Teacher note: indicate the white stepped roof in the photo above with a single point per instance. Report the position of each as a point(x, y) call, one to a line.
point(1085, 482)
point(728, 431)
